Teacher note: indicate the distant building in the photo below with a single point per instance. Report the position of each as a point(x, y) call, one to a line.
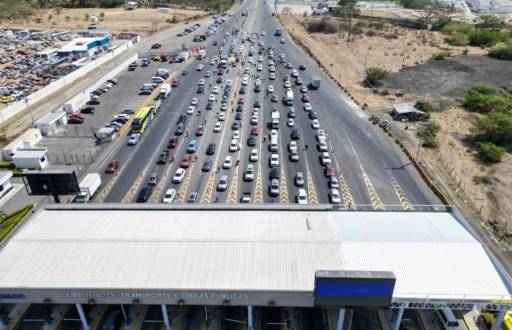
point(406, 111)
point(84, 47)
point(31, 159)
point(27, 140)
point(5, 182)
point(51, 122)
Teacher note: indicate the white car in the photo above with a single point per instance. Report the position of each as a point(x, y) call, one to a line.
point(291, 122)
point(233, 146)
point(228, 162)
point(272, 76)
point(215, 90)
point(272, 69)
point(254, 120)
point(260, 59)
point(295, 74)
point(259, 68)
point(320, 134)
point(287, 84)
point(263, 33)
point(249, 173)
point(245, 81)
point(334, 196)
point(122, 116)
point(307, 107)
point(270, 89)
point(283, 41)
point(325, 158)
point(333, 182)
point(250, 60)
point(222, 116)
point(218, 127)
point(292, 146)
point(211, 98)
point(222, 185)
point(194, 101)
point(212, 62)
point(274, 160)
point(179, 175)
point(200, 67)
point(191, 110)
point(169, 196)
point(273, 133)
point(236, 135)
point(302, 197)
point(133, 139)
point(207, 74)
point(315, 124)
point(253, 157)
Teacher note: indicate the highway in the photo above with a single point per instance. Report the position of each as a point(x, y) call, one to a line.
point(371, 170)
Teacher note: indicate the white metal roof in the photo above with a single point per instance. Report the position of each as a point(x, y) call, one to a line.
point(51, 118)
point(431, 254)
point(29, 153)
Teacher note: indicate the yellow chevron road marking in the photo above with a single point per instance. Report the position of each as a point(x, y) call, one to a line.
point(207, 194)
point(233, 188)
point(374, 197)
point(283, 189)
point(345, 193)
point(406, 203)
point(312, 196)
point(258, 191)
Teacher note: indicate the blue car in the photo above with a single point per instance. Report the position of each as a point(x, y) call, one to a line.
point(207, 165)
point(209, 106)
point(192, 146)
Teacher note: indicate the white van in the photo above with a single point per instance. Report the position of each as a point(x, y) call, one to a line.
point(447, 319)
point(274, 147)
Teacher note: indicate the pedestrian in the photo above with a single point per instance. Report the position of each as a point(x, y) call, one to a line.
point(186, 133)
point(306, 147)
point(264, 138)
point(218, 169)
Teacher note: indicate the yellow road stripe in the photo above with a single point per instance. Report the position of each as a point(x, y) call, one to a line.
point(312, 196)
point(19, 316)
point(233, 188)
point(374, 197)
point(207, 193)
point(258, 191)
point(381, 318)
point(283, 189)
point(406, 203)
point(348, 200)
point(133, 190)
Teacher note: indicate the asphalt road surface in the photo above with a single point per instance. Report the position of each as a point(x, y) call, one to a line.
point(371, 170)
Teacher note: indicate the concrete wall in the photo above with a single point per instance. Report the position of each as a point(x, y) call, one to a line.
point(37, 96)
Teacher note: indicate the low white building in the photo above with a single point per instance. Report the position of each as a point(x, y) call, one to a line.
point(26, 140)
point(5, 182)
point(31, 159)
point(51, 122)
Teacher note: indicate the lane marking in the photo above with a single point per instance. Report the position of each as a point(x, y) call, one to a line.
point(207, 193)
point(233, 188)
point(406, 203)
point(312, 196)
point(348, 200)
point(283, 188)
point(258, 190)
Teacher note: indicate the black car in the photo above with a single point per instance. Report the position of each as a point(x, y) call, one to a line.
point(179, 129)
point(93, 102)
point(236, 125)
point(184, 72)
point(312, 115)
point(207, 166)
point(181, 119)
point(75, 120)
point(162, 159)
point(242, 90)
point(302, 67)
point(215, 43)
point(295, 134)
point(88, 110)
point(251, 141)
point(97, 92)
point(238, 116)
point(200, 90)
point(209, 106)
point(274, 173)
point(211, 149)
point(239, 108)
point(257, 104)
point(144, 194)
point(220, 80)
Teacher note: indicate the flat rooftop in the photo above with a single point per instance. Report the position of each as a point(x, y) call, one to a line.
point(97, 247)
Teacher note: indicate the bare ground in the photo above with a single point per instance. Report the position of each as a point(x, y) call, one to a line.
point(143, 20)
point(487, 190)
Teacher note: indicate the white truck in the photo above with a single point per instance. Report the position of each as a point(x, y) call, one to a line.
point(185, 55)
point(314, 83)
point(165, 89)
point(88, 187)
point(275, 119)
point(201, 54)
point(75, 103)
point(288, 98)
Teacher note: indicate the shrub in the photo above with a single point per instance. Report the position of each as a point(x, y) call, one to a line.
point(429, 133)
point(453, 28)
point(489, 152)
point(441, 55)
point(50, 17)
point(86, 17)
point(485, 38)
point(478, 102)
point(58, 10)
point(459, 39)
point(375, 76)
point(424, 105)
point(496, 128)
point(102, 16)
point(502, 52)
point(465, 51)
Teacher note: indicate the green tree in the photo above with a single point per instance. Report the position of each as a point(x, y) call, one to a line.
point(485, 38)
point(375, 76)
point(424, 105)
point(479, 98)
point(490, 153)
point(496, 128)
point(429, 133)
point(347, 10)
point(491, 22)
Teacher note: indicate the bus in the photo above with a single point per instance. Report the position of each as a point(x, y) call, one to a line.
point(142, 119)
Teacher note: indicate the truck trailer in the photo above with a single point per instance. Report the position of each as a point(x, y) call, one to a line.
point(165, 90)
point(88, 187)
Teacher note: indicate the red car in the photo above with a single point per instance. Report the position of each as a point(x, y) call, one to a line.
point(255, 131)
point(112, 167)
point(220, 72)
point(185, 162)
point(273, 98)
point(241, 100)
point(305, 98)
point(76, 115)
point(329, 171)
point(286, 78)
point(175, 83)
point(200, 130)
point(172, 143)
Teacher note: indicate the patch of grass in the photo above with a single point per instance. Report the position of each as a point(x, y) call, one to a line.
point(490, 153)
point(502, 52)
point(441, 55)
point(9, 221)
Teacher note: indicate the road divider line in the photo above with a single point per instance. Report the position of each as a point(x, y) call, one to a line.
point(374, 196)
point(283, 188)
point(406, 203)
point(312, 196)
point(182, 192)
point(348, 200)
point(207, 193)
point(233, 188)
point(258, 190)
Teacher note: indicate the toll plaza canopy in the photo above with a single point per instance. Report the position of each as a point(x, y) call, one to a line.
point(243, 255)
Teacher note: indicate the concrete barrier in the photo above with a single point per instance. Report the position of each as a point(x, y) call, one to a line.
point(54, 86)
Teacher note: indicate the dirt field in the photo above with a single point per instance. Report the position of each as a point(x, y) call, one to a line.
point(487, 189)
point(116, 19)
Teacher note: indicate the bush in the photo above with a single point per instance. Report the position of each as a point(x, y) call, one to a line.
point(459, 39)
point(429, 133)
point(424, 105)
point(375, 76)
point(453, 28)
point(415, 4)
point(502, 52)
point(441, 55)
point(7, 165)
point(479, 98)
point(496, 128)
point(58, 10)
point(490, 153)
point(465, 51)
point(485, 38)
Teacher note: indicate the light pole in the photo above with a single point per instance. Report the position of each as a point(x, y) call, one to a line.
point(30, 111)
